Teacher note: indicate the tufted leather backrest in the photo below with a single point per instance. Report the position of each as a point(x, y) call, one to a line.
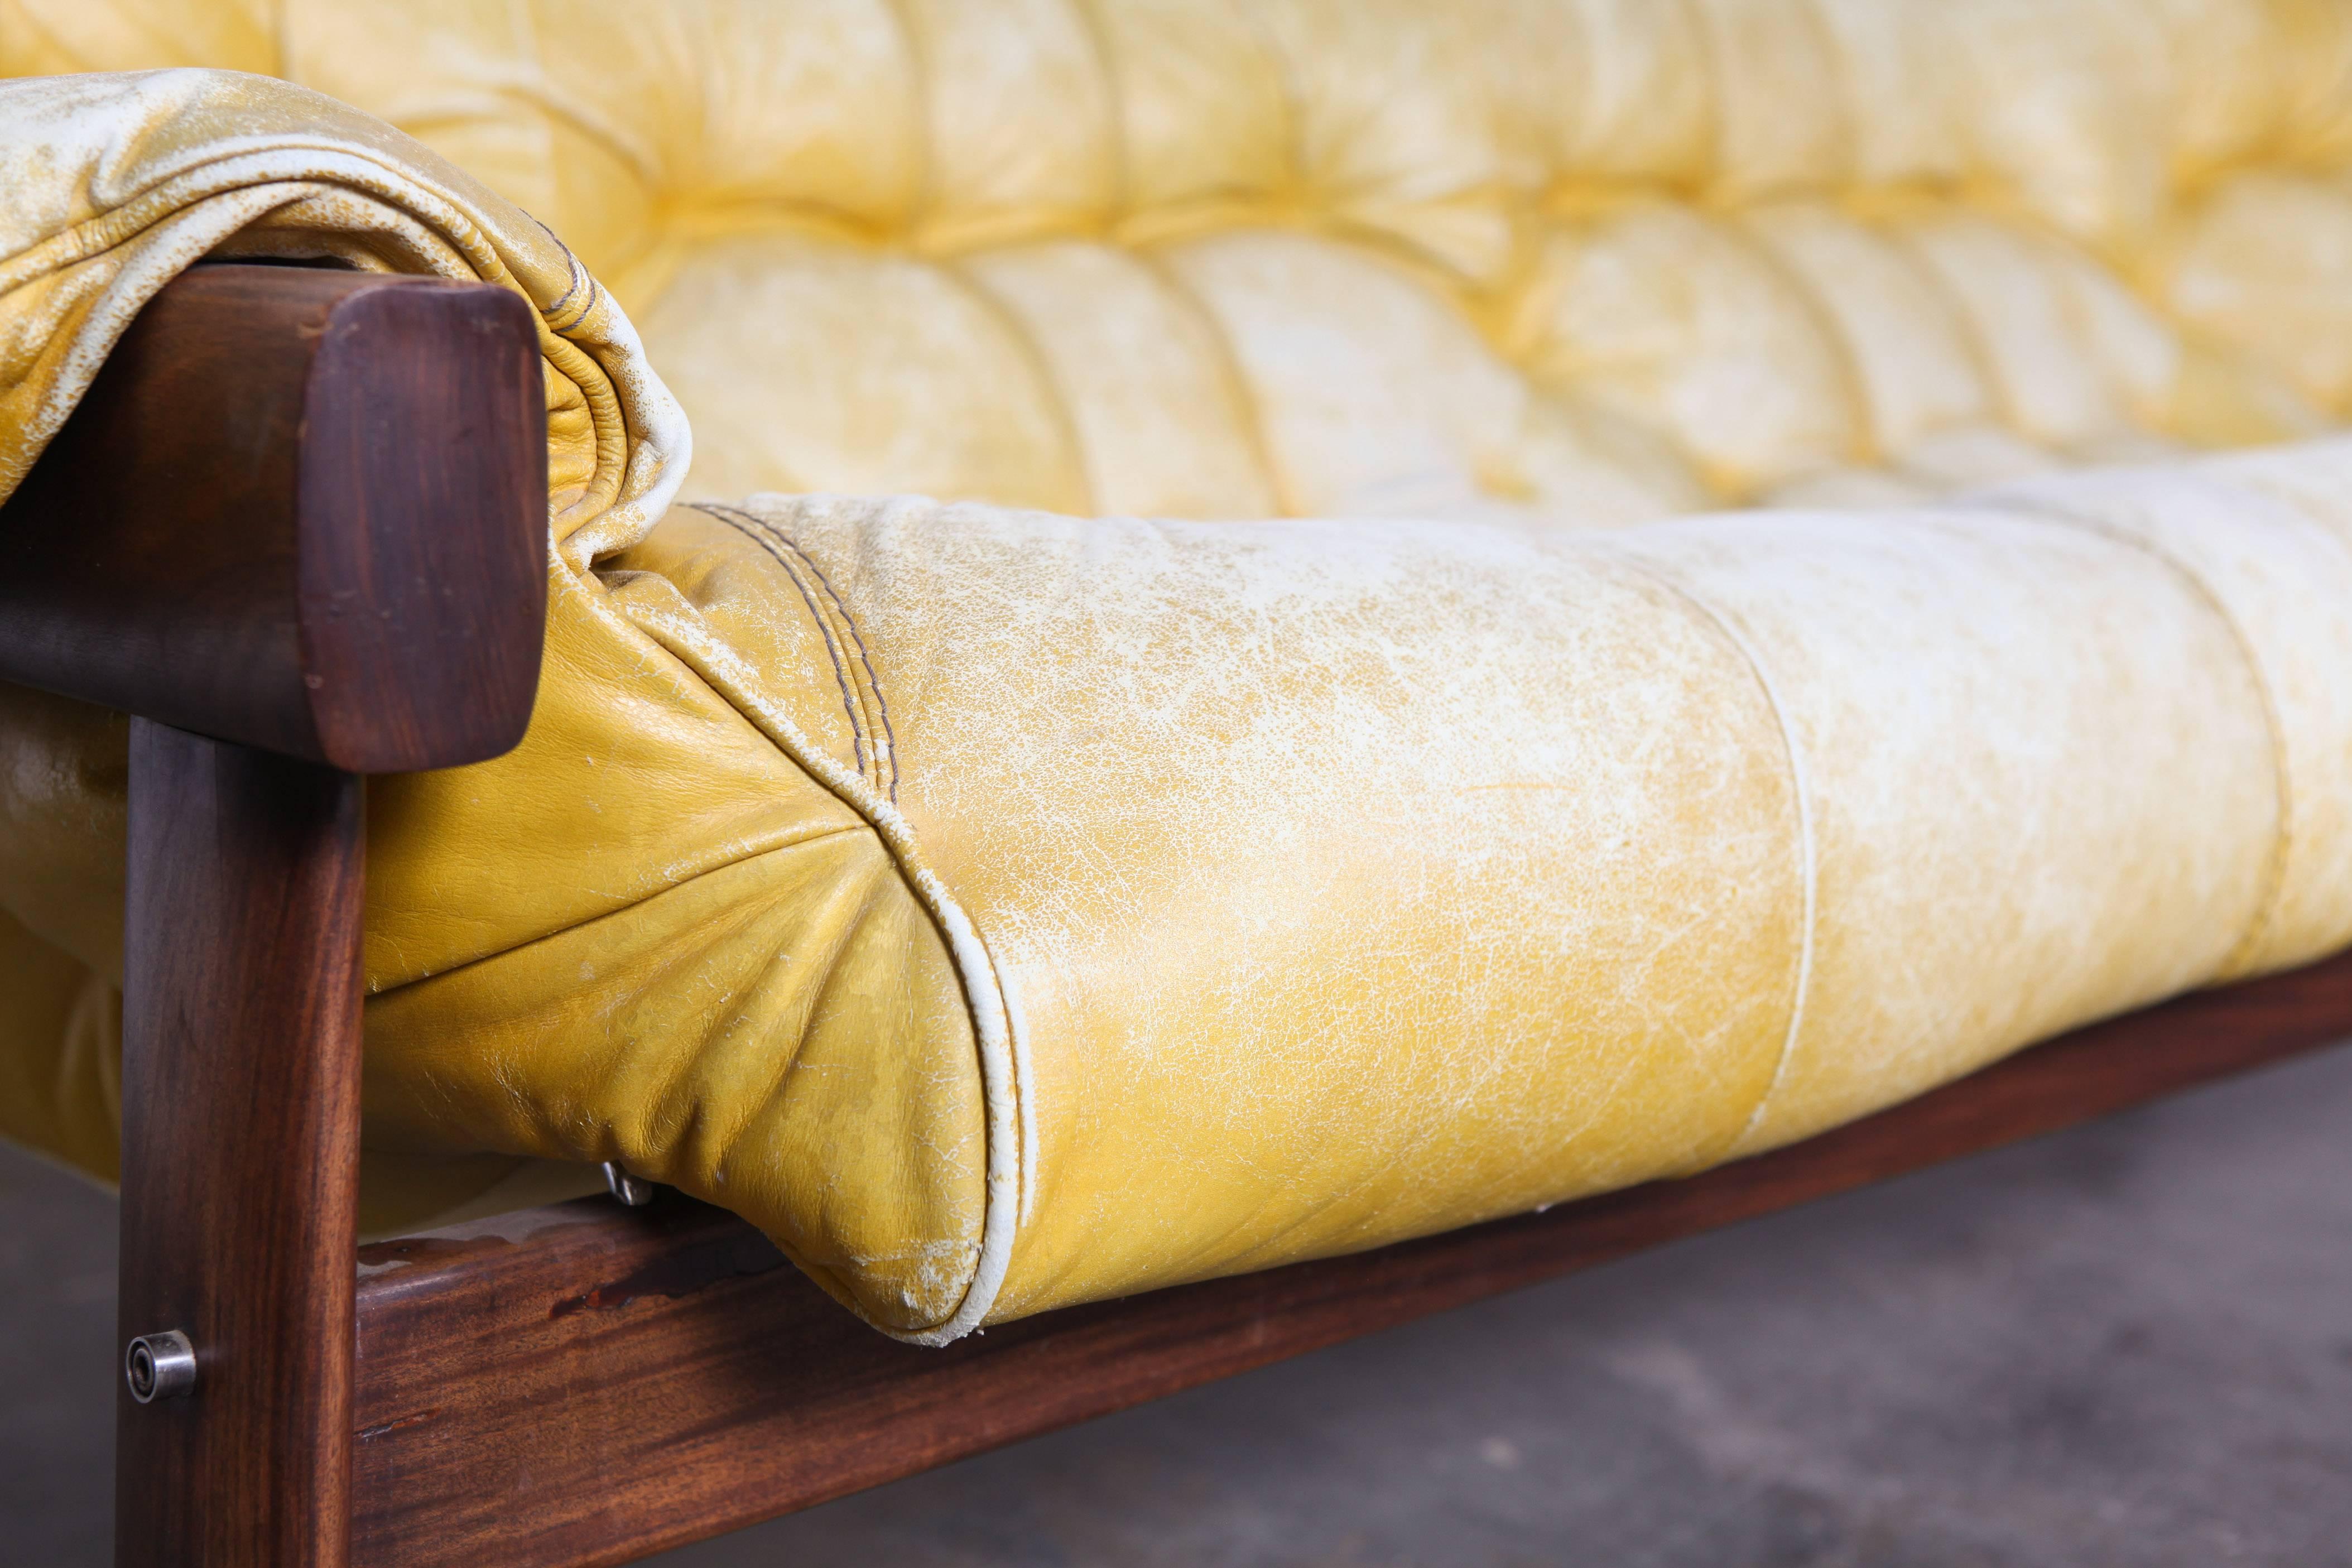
point(1596, 260)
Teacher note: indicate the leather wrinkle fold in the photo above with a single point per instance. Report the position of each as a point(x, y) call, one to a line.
point(991, 1020)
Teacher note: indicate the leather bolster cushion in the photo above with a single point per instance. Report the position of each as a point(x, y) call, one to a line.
point(1005, 909)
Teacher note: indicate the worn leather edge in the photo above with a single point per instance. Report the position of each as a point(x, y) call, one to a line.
point(995, 1019)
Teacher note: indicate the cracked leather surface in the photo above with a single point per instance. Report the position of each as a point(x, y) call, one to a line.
point(1005, 905)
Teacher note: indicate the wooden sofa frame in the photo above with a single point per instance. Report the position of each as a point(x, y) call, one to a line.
point(298, 530)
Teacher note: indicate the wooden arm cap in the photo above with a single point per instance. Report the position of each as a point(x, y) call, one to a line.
point(301, 509)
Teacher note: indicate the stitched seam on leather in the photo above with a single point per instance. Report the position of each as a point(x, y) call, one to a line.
point(776, 546)
point(973, 960)
point(884, 756)
point(825, 628)
point(224, 179)
point(579, 275)
point(737, 692)
point(1800, 785)
point(974, 963)
point(2045, 511)
point(886, 761)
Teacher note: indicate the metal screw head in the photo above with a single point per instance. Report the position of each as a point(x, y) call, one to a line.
point(160, 1366)
point(629, 1189)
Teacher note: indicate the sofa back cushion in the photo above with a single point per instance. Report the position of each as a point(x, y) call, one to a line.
point(1586, 260)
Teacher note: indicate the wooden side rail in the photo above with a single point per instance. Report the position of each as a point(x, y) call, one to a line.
point(584, 1384)
point(296, 527)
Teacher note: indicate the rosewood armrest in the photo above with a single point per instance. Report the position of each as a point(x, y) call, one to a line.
point(300, 510)
point(296, 528)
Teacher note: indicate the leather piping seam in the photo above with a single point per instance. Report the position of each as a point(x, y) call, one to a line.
point(995, 1026)
point(1800, 786)
point(2048, 511)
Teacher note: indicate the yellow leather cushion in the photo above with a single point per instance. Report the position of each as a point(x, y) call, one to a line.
point(1007, 909)
point(1130, 902)
point(1004, 908)
point(1589, 260)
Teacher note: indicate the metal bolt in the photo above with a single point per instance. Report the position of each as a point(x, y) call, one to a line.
point(160, 1366)
point(627, 1188)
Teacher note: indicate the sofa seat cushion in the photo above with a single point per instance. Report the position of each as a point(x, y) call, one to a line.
point(1005, 909)
point(1033, 909)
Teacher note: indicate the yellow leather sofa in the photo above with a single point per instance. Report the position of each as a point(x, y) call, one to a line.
point(1454, 803)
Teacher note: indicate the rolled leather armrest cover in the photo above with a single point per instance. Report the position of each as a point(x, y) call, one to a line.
point(1007, 909)
point(114, 183)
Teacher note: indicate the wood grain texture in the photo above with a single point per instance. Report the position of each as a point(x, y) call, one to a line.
point(585, 1385)
point(304, 510)
point(240, 1147)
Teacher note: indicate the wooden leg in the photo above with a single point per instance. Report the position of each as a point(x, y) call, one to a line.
point(240, 1145)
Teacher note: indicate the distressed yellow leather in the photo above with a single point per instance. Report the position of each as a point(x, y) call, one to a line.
point(1589, 259)
point(1005, 905)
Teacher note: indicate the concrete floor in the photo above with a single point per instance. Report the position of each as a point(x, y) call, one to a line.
point(2131, 1344)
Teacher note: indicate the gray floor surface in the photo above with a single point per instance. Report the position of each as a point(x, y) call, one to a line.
point(2129, 1344)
